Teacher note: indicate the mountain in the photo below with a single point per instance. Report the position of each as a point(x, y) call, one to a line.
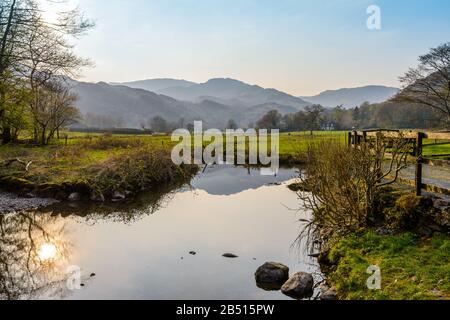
point(352, 97)
point(156, 85)
point(234, 92)
point(136, 106)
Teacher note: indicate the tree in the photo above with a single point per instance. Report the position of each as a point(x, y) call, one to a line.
point(36, 49)
point(54, 109)
point(314, 117)
point(271, 120)
point(232, 124)
point(429, 83)
point(159, 124)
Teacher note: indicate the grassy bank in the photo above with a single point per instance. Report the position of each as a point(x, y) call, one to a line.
point(95, 168)
point(411, 267)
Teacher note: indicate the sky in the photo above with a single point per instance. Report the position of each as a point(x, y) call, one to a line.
point(302, 47)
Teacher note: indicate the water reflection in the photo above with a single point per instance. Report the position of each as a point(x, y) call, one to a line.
point(229, 180)
point(140, 250)
point(34, 251)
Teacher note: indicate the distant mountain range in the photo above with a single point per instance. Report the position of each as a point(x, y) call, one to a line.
point(353, 97)
point(136, 106)
point(156, 85)
point(214, 102)
point(227, 91)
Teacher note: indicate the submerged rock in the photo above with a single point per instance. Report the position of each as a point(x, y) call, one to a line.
point(299, 286)
point(271, 276)
point(230, 255)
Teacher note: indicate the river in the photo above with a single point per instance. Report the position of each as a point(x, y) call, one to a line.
point(166, 245)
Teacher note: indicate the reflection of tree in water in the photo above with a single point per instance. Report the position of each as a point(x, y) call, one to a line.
point(27, 273)
point(33, 256)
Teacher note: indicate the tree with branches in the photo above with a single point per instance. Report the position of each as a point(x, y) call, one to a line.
point(429, 83)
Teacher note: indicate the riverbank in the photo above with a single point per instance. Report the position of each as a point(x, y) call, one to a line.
point(411, 248)
point(101, 169)
point(109, 167)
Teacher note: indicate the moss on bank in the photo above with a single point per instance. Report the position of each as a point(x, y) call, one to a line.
point(411, 267)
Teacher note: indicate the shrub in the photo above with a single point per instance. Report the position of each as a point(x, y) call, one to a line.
point(140, 169)
point(345, 183)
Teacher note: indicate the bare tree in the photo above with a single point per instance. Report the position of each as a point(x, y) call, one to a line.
point(52, 110)
point(429, 83)
point(36, 48)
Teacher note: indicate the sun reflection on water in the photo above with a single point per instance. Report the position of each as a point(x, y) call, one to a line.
point(47, 252)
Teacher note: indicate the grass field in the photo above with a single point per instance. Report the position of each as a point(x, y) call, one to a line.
point(73, 159)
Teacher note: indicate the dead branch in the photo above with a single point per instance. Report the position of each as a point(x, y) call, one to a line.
point(9, 162)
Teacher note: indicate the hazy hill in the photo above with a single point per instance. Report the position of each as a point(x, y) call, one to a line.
point(135, 106)
point(236, 91)
point(352, 97)
point(156, 85)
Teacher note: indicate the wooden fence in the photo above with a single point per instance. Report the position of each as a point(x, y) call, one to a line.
point(417, 139)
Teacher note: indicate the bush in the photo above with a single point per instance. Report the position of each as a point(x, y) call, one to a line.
point(140, 169)
point(345, 184)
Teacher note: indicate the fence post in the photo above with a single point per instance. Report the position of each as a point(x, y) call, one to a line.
point(350, 139)
point(419, 154)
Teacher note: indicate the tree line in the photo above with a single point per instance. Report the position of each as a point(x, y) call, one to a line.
point(36, 56)
point(423, 102)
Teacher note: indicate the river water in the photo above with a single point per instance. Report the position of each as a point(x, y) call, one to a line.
point(146, 250)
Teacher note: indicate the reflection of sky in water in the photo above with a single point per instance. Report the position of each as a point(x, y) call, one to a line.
point(149, 258)
point(228, 180)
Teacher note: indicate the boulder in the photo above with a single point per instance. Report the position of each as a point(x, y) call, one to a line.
point(329, 294)
point(75, 196)
point(118, 196)
point(299, 286)
point(271, 276)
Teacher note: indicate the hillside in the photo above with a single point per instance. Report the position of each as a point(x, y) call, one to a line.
point(352, 97)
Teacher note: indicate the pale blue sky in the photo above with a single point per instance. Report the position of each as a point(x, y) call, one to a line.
point(298, 46)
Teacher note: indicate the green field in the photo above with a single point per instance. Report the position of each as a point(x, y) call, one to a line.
point(71, 159)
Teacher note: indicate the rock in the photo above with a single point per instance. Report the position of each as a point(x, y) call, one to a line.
point(383, 231)
point(230, 255)
point(118, 196)
point(271, 276)
point(299, 286)
point(441, 203)
point(97, 197)
point(314, 255)
point(192, 253)
point(329, 295)
point(299, 187)
point(443, 218)
point(93, 275)
point(30, 195)
point(75, 196)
